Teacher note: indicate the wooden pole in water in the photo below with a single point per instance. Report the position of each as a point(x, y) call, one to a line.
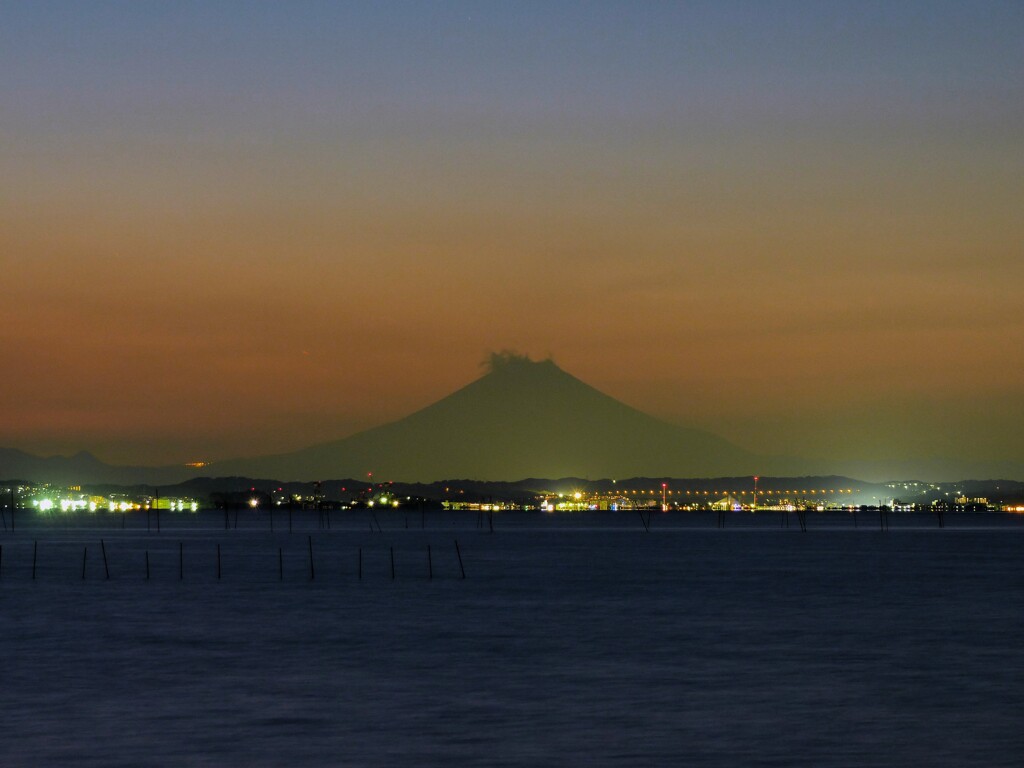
point(85, 553)
point(106, 568)
point(312, 571)
point(147, 565)
point(459, 554)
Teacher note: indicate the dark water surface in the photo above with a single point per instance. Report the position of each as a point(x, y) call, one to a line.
point(573, 640)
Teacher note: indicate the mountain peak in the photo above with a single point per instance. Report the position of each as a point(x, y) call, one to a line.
point(509, 361)
point(523, 418)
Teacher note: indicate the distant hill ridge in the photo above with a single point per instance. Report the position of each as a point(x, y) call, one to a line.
point(82, 468)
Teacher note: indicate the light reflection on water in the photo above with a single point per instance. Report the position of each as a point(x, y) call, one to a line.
point(573, 640)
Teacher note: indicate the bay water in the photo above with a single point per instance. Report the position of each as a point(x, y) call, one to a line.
point(578, 639)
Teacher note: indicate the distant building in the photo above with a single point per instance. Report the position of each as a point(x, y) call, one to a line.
point(727, 503)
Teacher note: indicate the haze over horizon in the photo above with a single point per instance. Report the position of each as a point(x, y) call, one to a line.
point(244, 228)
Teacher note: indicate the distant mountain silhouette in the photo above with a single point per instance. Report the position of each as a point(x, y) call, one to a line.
point(83, 467)
point(522, 419)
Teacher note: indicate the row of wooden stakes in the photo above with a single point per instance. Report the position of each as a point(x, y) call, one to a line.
point(280, 561)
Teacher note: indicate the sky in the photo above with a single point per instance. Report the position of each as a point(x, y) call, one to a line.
point(232, 229)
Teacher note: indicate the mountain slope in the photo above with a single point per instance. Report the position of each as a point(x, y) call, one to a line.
point(522, 419)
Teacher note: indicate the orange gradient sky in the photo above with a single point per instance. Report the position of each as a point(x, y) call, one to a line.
point(246, 229)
